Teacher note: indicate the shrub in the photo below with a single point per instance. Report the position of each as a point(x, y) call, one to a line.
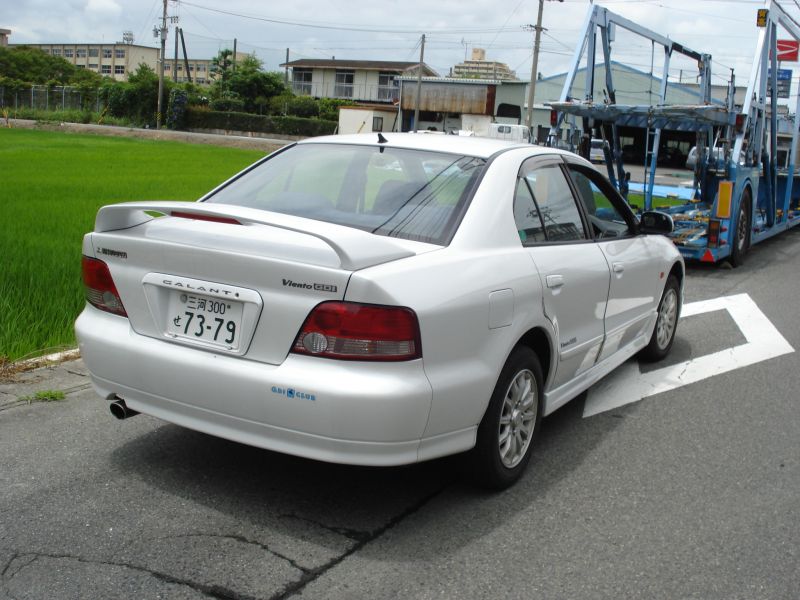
point(329, 108)
point(302, 106)
point(176, 110)
point(227, 103)
point(279, 105)
point(65, 116)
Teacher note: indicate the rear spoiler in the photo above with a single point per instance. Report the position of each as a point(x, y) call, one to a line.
point(356, 249)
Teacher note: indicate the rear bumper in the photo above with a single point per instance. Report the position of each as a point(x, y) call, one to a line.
point(336, 411)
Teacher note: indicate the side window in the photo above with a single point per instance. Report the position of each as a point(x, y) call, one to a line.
point(554, 204)
point(526, 215)
point(606, 219)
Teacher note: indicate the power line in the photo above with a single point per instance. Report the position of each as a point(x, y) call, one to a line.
point(341, 27)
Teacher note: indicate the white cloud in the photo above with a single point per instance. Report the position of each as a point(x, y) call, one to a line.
point(100, 9)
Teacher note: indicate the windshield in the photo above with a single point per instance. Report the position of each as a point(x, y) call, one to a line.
point(410, 194)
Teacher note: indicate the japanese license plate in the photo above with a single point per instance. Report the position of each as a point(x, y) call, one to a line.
point(215, 321)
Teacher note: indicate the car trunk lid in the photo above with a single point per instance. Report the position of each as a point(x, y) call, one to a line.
point(230, 279)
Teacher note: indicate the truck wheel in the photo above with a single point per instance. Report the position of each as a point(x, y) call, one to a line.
point(511, 422)
point(669, 310)
point(741, 239)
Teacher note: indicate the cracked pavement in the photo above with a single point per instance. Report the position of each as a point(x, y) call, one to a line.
point(95, 507)
point(693, 493)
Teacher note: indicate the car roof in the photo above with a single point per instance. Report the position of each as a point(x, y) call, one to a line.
point(453, 144)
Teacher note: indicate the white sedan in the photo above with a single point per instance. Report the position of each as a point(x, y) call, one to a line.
point(378, 300)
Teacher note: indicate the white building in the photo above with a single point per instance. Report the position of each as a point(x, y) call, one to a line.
point(358, 80)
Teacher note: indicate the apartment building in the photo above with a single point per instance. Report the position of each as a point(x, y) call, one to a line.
point(480, 68)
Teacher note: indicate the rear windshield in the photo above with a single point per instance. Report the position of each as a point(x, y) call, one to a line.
point(409, 194)
point(597, 144)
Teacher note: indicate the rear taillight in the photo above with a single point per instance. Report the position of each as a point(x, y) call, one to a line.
point(713, 232)
point(100, 289)
point(350, 331)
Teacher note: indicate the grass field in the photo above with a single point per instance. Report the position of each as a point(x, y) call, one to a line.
point(51, 185)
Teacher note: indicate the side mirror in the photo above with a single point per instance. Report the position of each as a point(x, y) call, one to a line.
point(656, 222)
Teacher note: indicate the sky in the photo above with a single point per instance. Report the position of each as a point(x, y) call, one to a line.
point(391, 29)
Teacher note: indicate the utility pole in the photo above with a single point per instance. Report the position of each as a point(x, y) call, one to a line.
point(286, 69)
point(233, 68)
point(534, 64)
point(185, 56)
point(419, 83)
point(175, 62)
point(161, 66)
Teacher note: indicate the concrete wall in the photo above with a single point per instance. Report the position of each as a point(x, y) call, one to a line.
point(354, 119)
point(476, 123)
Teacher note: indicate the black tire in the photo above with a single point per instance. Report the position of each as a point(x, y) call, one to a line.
point(741, 239)
point(669, 311)
point(491, 466)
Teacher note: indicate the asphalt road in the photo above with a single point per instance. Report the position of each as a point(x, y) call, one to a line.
point(691, 493)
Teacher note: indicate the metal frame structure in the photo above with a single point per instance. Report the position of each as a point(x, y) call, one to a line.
point(742, 195)
point(602, 21)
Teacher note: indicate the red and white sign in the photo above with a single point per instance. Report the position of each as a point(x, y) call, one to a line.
point(788, 50)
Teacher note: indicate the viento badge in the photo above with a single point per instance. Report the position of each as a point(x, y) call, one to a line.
point(319, 287)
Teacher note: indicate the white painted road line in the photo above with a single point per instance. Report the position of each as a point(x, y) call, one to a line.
point(628, 384)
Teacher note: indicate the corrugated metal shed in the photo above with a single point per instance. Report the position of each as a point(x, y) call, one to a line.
point(448, 97)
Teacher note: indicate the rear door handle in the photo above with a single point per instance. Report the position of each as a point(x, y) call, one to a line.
point(618, 267)
point(554, 281)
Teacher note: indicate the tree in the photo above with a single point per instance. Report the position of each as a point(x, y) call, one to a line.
point(33, 66)
point(221, 67)
point(138, 98)
point(247, 84)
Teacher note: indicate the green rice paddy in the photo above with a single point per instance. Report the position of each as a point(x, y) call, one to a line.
point(51, 186)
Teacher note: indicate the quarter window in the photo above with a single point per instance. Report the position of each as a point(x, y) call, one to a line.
point(526, 215)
